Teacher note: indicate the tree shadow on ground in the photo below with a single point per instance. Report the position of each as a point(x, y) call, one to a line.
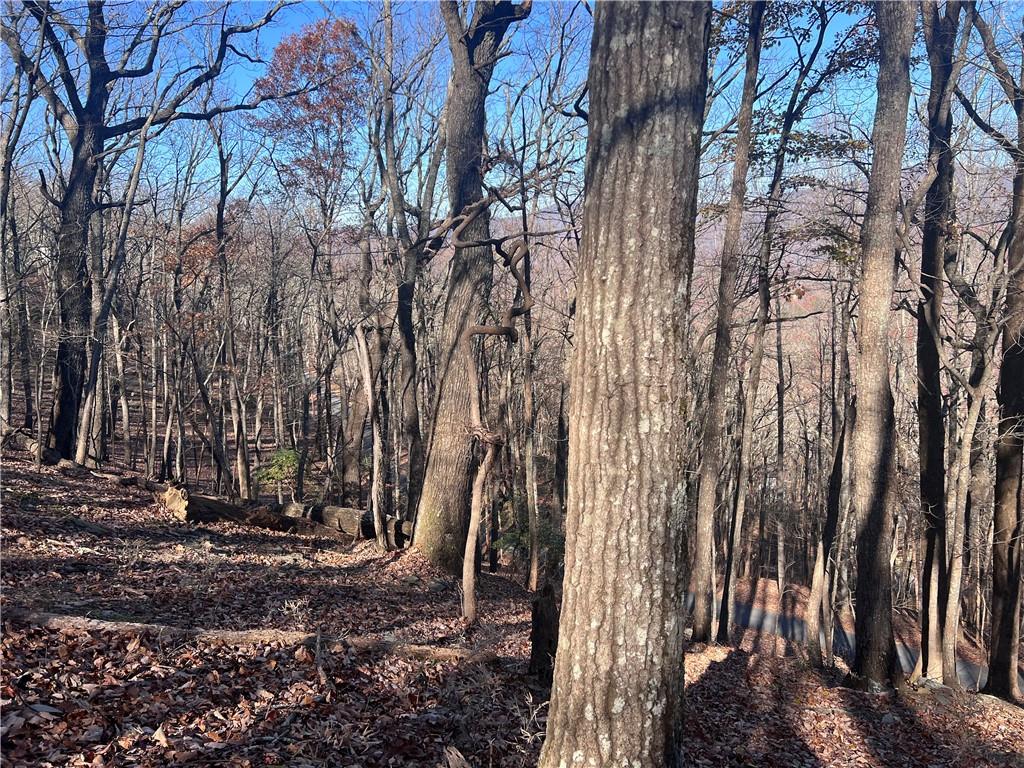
point(728, 724)
point(910, 728)
point(259, 705)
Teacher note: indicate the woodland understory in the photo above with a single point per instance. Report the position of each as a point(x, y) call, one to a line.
point(481, 382)
point(112, 694)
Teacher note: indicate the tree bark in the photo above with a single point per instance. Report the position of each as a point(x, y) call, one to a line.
point(72, 275)
point(874, 440)
point(940, 40)
point(444, 500)
point(816, 600)
point(617, 696)
point(1008, 523)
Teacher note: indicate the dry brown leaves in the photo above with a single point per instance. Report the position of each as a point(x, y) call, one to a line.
point(85, 546)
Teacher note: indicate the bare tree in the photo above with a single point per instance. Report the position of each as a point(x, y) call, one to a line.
point(475, 45)
point(702, 577)
point(87, 126)
point(618, 683)
point(874, 440)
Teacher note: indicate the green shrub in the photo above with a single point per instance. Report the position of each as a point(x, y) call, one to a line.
point(283, 467)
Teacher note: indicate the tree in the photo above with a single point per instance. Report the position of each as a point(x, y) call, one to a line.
point(874, 439)
point(618, 684)
point(411, 216)
point(940, 38)
point(1008, 523)
point(312, 134)
point(475, 45)
point(702, 581)
point(85, 120)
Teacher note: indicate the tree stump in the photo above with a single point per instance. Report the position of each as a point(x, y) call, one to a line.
point(544, 635)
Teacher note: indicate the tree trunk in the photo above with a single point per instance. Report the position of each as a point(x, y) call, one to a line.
point(370, 369)
point(561, 456)
point(409, 386)
point(72, 275)
point(543, 634)
point(940, 39)
point(352, 451)
point(818, 594)
point(444, 501)
point(469, 612)
point(617, 696)
point(1009, 513)
point(874, 439)
point(702, 576)
point(962, 478)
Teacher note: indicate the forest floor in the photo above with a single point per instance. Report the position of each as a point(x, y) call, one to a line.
point(77, 545)
point(763, 596)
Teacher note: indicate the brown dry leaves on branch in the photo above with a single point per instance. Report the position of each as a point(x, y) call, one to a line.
point(77, 545)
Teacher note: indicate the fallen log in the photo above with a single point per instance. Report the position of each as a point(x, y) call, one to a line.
point(196, 508)
point(20, 440)
point(130, 481)
point(357, 523)
point(343, 523)
point(354, 522)
point(357, 643)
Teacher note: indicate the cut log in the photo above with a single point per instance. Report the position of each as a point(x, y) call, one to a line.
point(357, 643)
point(345, 519)
point(20, 440)
point(343, 523)
point(357, 523)
point(196, 508)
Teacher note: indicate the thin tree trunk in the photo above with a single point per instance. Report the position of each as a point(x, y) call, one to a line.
point(818, 594)
point(940, 39)
point(962, 478)
point(702, 576)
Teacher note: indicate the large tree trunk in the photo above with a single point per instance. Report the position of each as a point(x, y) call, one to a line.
point(1009, 515)
point(73, 292)
point(940, 37)
point(617, 697)
point(874, 439)
point(103, 299)
point(702, 577)
point(444, 500)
